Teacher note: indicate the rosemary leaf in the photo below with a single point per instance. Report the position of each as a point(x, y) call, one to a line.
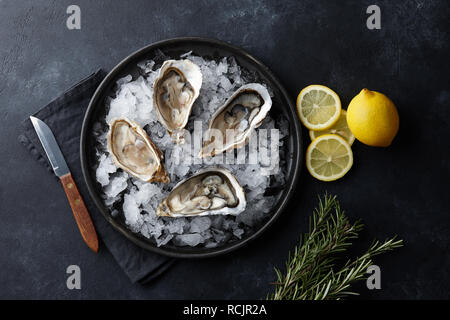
point(310, 268)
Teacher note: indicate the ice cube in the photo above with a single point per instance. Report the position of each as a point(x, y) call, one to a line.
point(105, 168)
point(200, 224)
point(190, 239)
point(116, 185)
point(124, 80)
point(225, 83)
point(131, 211)
point(238, 232)
point(163, 239)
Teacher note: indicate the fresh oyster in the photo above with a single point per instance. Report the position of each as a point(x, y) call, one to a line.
point(210, 192)
point(231, 125)
point(175, 89)
point(132, 150)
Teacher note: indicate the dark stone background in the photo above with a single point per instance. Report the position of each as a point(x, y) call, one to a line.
point(398, 190)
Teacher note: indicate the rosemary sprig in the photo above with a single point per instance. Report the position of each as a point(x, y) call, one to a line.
point(310, 268)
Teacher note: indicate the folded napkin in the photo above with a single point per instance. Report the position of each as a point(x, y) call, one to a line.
point(64, 116)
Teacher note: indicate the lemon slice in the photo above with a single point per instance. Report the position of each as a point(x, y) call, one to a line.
point(340, 128)
point(329, 157)
point(318, 107)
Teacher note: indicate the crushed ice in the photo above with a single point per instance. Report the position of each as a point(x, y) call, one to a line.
point(138, 200)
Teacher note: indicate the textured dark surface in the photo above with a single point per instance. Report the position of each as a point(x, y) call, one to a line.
point(399, 190)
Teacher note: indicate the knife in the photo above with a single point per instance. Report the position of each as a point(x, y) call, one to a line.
point(62, 171)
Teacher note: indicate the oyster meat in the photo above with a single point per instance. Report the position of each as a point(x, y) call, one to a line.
point(175, 90)
point(132, 150)
point(212, 191)
point(231, 125)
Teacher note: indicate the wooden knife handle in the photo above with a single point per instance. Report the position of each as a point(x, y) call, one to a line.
point(80, 212)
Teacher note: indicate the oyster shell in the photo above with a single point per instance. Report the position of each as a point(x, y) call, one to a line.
point(242, 112)
point(175, 90)
point(132, 150)
point(212, 191)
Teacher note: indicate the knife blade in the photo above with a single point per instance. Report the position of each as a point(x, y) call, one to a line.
point(59, 165)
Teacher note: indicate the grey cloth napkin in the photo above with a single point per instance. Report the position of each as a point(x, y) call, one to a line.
point(64, 116)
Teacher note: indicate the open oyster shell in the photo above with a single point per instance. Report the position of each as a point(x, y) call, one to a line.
point(211, 191)
point(132, 150)
point(234, 121)
point(175, 90)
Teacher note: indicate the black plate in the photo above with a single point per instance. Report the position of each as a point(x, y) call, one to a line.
point(282, 106)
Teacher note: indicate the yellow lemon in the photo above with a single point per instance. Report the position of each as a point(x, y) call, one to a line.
point(318, 107)
point(329, 157)
point(373, 118)
point(340, 128)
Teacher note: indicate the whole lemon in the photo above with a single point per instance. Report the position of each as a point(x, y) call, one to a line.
point(373, 118)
